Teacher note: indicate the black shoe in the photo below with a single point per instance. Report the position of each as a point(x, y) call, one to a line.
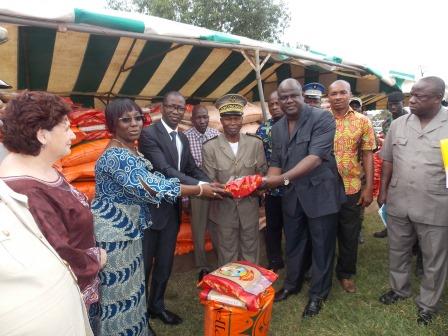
point(424, 317)
point(275, 267)
point(202, 273)
point(151, 332)
point(312, 308)
point(167, 317)
point(380, 234)
point(283, 294)
point(390, 298)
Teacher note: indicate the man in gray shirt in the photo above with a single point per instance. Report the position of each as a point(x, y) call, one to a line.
point(413, 187)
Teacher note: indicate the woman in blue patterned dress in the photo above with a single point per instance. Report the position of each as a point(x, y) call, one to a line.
point(124, 187)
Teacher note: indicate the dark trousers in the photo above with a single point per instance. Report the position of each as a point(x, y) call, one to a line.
point(301, 232)
point(158, 255)
point(274, 230)
point(349, 225)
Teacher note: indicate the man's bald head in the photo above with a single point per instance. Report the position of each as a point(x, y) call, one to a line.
point(290, 82)
point(200, 118)
point(435, 84)
point(290, 97)
point(338, 83)
point(273, 95)
point(197, 109)
point(339, 94)
point(426, 96)
point(274, 106)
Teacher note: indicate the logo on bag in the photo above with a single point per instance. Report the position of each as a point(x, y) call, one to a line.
point(237, 271)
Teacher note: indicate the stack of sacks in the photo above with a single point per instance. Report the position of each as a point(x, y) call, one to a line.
point(92, 137)
point(90, 124)
point(238, 299)
point(79, 166)
point(184, 243)
point(87, 123)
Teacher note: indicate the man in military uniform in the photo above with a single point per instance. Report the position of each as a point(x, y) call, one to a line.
point(312, 94)
point(232, 155)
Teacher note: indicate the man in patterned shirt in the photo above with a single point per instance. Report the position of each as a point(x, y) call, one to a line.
point(197, 135)
point(354, 133)
point(273, 199)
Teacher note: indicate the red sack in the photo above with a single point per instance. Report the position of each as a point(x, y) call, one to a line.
point(80, 136)
point(85, 152)
point(98, 135)
point(82, 171)
point(86, 187)
point(242, 280)
point(244, 186)
point(87, 117)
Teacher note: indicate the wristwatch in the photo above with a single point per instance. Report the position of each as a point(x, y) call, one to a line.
point(285, 181)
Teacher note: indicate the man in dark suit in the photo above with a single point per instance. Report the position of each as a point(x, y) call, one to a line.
point(303, 162)
point(169, 152)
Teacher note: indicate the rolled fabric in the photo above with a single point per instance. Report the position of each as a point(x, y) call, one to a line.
point(444, 149)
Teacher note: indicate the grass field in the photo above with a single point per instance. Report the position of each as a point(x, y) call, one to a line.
point(343, 314)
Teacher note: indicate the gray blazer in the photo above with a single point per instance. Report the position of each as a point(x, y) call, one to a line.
point(320, 192)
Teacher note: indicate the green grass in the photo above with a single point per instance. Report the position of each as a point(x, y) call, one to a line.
point(343, 314)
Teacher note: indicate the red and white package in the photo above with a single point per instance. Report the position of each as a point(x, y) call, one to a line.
point(242, 280)
point(212, 295)
point(244, 186)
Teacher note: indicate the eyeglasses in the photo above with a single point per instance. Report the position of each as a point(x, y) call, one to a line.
point(128, 120)
point(174, 107)
point(285, 98)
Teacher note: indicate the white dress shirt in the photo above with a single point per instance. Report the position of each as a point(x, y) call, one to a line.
point(178, 142)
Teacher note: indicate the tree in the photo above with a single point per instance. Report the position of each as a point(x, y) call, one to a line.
point(264, 20)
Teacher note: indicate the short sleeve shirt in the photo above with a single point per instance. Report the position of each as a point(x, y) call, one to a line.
point(417, 189)
point(354, 133)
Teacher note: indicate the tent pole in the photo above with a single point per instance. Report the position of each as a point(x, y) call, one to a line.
point(260, 84)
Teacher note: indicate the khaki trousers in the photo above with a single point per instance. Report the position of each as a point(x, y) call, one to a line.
point(434, 245)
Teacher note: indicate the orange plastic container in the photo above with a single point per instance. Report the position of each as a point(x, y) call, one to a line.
point(223, 320)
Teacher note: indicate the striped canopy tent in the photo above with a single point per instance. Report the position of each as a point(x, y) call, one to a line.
point(92, 56)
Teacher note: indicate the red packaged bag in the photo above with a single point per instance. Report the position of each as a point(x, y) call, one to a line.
point(85, 152)
point(244, 186)
point(242, 280)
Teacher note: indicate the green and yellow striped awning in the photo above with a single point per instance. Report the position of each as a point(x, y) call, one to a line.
point(93, 56)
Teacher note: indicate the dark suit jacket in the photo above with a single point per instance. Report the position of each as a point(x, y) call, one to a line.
point(155, 144)
point(320, 192)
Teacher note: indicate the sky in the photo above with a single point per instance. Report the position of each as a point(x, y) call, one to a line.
point(407, 36)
